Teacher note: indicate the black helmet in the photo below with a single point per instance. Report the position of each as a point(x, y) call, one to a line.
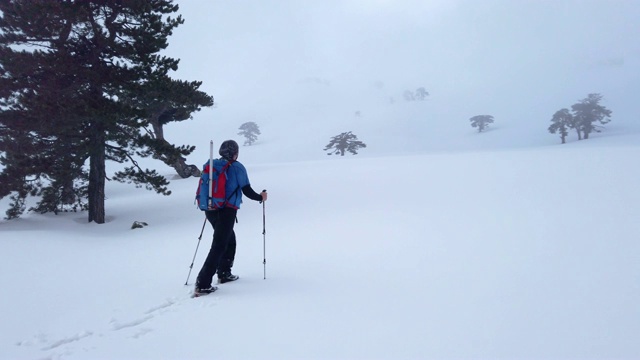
point(228, 149)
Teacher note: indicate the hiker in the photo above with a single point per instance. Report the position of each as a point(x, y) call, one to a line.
point(223, 247)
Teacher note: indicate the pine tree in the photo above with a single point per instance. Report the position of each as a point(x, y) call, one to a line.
point(408, 95)
point(250, 131)
point(589, 111)
point(562, 120)
point(344, 142)
point(481, 121)
point(169, 100)
point(421, 93)
point(83, 82)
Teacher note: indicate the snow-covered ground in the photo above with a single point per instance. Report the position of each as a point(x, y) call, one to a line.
point(434, 242)
point(507, 253)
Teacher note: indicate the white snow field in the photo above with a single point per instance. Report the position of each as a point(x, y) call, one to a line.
point(434, 242)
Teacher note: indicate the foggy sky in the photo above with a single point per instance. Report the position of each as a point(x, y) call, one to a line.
point(489, 51)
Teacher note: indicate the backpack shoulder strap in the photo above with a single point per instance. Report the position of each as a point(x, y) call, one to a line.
point(237, 187)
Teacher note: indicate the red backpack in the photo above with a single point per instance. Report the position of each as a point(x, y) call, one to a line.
point(214, 178)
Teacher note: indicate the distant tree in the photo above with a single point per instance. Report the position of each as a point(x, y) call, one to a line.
point(344, 142)
point(587, 112)
point(421, 93)
point(561, 122)
point(250, 131)
point(408, 95)
point(481, 121)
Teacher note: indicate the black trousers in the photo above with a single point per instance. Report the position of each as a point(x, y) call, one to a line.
point(223, 247)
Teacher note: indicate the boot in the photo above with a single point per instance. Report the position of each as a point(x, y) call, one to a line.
point(226, 277)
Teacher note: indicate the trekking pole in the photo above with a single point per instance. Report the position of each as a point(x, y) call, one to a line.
point(210, 200)
point(264, 241)
point(194, 254)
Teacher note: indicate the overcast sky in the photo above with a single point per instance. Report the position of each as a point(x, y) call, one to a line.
point(488, 50)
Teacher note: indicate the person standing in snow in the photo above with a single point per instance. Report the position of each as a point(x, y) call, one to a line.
point(223, 247)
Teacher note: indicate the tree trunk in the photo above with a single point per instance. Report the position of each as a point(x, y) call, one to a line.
point(185, 170)
point(97, 176)
point(68, 195)
point(579, 134)
point(180, 165)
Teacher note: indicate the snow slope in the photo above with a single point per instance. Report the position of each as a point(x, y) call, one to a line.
point(507, 252)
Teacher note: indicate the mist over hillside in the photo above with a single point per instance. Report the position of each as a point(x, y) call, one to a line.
point(304, 72)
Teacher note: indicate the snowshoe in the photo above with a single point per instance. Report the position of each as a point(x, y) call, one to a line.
point(197, 292)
